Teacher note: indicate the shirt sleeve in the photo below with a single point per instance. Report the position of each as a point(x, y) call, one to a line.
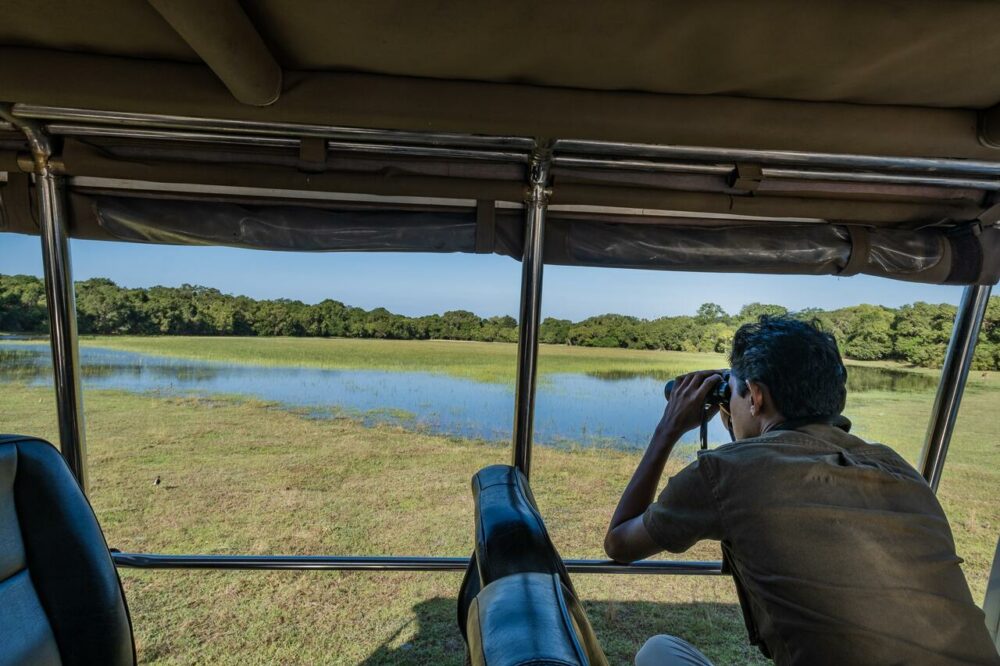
point(685, 512)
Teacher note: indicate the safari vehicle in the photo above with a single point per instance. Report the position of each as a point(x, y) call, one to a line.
point(822, 138)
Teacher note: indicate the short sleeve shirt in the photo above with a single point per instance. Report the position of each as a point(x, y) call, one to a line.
point(839, 548)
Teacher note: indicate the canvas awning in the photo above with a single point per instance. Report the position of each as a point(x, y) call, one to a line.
point(693, 117)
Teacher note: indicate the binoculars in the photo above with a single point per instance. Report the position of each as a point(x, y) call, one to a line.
point(718, 396)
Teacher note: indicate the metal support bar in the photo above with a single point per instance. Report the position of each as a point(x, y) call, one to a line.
point(332, 132)
point(376, 563)
point(531, 305)
point(51, 190)
point(954, 374)
point(936, 165)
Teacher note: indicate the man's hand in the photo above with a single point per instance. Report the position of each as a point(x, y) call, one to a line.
point(685, 409)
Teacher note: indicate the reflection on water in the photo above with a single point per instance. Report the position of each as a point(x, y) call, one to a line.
point(617, 409)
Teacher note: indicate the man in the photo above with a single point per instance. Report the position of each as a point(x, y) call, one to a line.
point(839, 549)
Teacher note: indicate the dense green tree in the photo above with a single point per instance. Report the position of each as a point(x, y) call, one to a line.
point(709, 313)
point(753, 311)
point(555, 331)
point(868, 333)
point(22, 304)
point(922, 331)
point(916, 334)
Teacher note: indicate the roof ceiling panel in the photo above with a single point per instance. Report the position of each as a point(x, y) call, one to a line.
point(910, 52)
point(127, 28)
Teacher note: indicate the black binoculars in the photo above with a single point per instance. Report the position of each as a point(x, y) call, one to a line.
point(718, 396)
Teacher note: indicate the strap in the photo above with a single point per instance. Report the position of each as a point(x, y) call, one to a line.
point(966, 254)
point(747, 177)
point(991, 215)
point(312, 154)
point(17, 203)
point(485, 226)
point(860, 247)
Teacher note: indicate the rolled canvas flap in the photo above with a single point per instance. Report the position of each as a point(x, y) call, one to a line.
point(935, 255)
point(295, 228)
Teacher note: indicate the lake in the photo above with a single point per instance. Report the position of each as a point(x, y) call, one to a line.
point(613, 409)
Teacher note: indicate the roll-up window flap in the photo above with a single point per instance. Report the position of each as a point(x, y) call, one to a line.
point(285, 227)
point(931, 255)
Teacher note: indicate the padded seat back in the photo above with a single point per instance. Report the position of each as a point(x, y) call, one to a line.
point(61, 601)
point(510, 534)
point(517, 604)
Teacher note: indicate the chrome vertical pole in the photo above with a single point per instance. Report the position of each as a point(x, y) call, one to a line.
point(958, 360)
point(531, 305)
point(50, 193)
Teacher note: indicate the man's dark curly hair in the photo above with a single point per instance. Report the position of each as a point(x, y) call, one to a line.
point(797, 361)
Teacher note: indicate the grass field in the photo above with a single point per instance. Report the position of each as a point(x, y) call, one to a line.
point(482, 361)
point(248, 477)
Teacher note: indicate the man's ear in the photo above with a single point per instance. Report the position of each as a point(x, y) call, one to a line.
point(760, 398)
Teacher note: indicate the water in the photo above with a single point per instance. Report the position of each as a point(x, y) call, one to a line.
point(612, 409)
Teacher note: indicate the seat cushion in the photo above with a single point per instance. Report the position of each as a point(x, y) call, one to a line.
point(522, 620)
point(60, 597)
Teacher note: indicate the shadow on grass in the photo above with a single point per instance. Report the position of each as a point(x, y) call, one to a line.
point(432, 637)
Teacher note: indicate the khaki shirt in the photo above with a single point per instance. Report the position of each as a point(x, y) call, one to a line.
point(840, 550)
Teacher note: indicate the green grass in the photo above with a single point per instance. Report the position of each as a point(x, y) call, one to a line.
point(248, 477)
point(483, 361)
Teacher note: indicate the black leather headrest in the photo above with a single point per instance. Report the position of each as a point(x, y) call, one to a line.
point(510, 535)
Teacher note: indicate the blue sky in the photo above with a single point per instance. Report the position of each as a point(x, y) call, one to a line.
point(416, 284)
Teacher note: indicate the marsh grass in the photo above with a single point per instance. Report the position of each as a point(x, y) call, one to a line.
point(482, 361)
point(242, 476)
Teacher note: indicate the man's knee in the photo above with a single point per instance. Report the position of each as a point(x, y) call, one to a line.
point(666, 650)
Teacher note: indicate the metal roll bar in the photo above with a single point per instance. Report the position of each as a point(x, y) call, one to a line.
point(954, 373)
point(574, 154)
point(332, 132)
point(338, 563)
point(50, 190)
point(784, 157)
point(531, 306)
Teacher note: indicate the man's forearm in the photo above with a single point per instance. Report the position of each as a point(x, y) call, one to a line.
point(641, 489)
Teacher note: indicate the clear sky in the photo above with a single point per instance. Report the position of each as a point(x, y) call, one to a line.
point(416, 284)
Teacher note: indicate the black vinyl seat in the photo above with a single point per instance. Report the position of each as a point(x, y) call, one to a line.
point(517, 605)
point(527, 619)
point(61, 601)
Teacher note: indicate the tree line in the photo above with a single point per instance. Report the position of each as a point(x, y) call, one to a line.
point(917, 334)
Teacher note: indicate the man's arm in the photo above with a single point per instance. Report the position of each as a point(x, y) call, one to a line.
point(627, 539)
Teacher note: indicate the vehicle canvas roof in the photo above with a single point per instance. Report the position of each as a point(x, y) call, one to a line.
point(898, 79)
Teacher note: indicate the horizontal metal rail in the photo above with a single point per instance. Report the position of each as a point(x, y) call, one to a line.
point(92, 183)
point(655, 166)
point(267, 141)
point(936, 178)
point(62, 129)
point(568, 152)
point(718, 169)
point(379, 563)
point(887, 178)
point(783, 157)
point(49, 113)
